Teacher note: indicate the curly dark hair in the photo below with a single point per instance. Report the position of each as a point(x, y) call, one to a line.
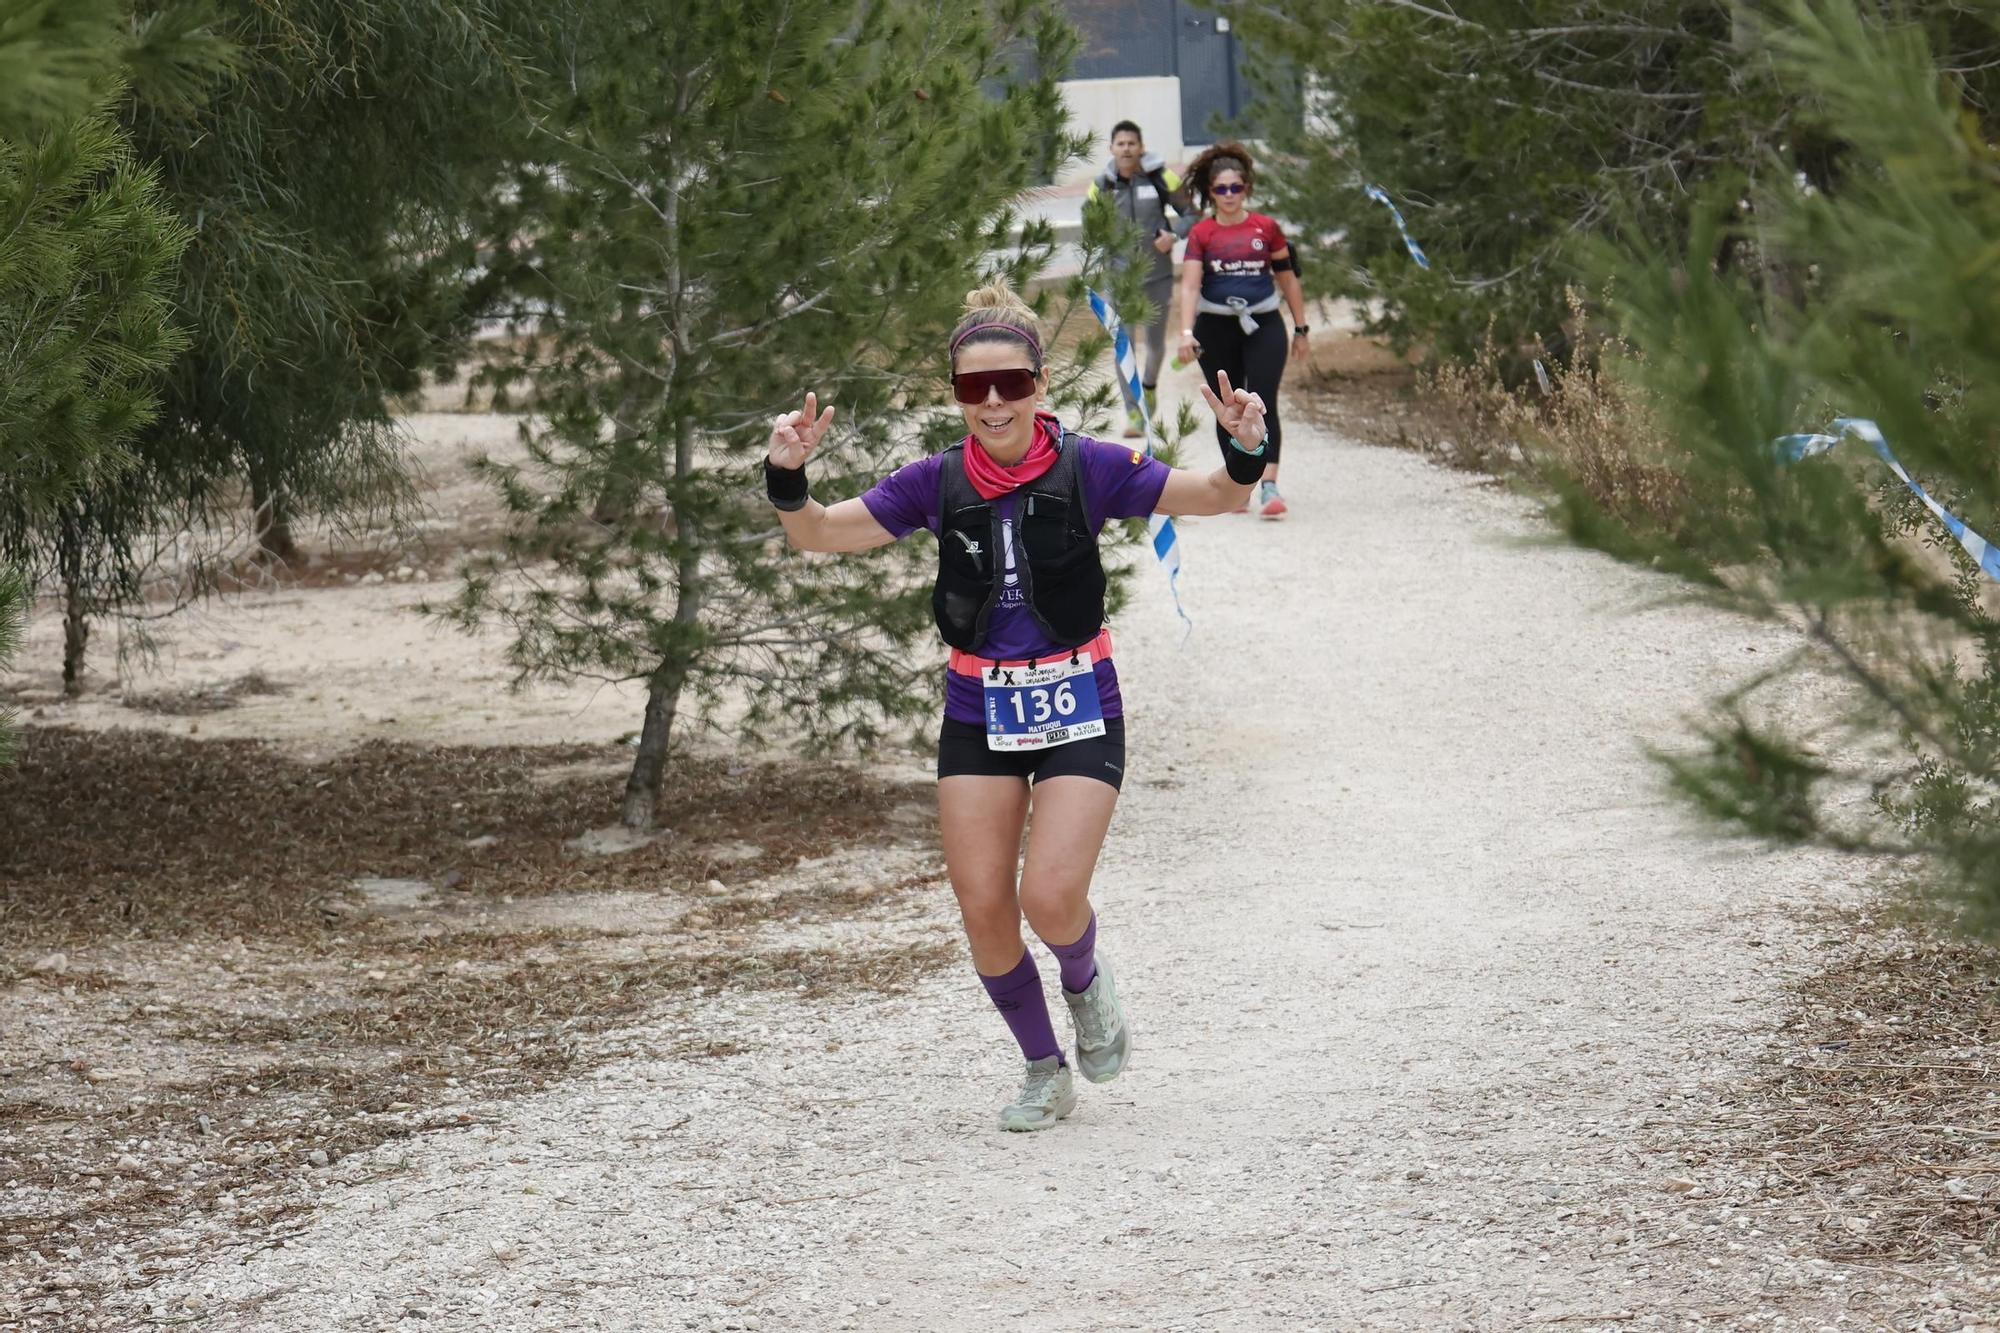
point(1225, 156)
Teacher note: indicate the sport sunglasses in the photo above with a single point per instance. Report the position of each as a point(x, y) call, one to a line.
point(970, 386)
point(1227, 189)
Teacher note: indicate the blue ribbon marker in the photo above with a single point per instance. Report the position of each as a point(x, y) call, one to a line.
point(1792, 448)
point(1166, 541)
point(1381, 196)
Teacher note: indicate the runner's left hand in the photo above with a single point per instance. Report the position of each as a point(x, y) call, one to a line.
point(1239, 411)
point(1163, 241)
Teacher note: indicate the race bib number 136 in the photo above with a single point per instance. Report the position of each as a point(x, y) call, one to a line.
point(1032, 708)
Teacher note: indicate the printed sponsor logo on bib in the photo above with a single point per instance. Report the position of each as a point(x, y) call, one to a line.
point(1033, 708)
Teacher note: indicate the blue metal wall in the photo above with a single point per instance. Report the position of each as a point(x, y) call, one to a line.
point(1125, 39)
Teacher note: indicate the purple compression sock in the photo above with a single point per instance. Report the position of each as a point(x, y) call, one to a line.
point(1018, 996)
point(1079, 960)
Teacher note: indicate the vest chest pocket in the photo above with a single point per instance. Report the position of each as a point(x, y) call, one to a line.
point(1063, 563)
point(1047, 532)
point(966, 582)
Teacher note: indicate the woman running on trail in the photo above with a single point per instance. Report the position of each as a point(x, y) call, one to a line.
point(1032, 719)
point(1236, 266)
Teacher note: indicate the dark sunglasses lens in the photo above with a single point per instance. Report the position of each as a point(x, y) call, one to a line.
point(970, 388)
point(1229, 189)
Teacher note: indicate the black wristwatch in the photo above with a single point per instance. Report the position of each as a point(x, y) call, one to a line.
point(1301, 330)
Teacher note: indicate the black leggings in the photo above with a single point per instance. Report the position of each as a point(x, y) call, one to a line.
point(1255, 361)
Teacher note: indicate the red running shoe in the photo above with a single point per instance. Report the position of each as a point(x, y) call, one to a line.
point(1270, 503)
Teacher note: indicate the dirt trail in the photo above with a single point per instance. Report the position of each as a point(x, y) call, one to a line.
point(1427, 977)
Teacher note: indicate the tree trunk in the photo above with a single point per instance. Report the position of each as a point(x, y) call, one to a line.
point(76, 614)
point(274, 522)
point(76, 637)
point(640, 809)
point(641, 806)
point(663, 687)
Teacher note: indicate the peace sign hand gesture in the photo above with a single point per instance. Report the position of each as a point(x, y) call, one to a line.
point(795, 435)
point(1240, 411)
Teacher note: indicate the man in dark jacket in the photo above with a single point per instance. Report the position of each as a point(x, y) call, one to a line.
point(1142, 188)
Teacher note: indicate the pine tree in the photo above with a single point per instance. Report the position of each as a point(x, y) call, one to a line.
point(56, 57)
point(336, 175)
point(85, 264)
point(1894, 324)
point(86, 255)
point(332, 176)
point(747, 200)
point(60, 58)
point(1515, 133)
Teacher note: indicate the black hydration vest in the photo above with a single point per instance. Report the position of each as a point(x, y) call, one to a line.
point(1055, 554)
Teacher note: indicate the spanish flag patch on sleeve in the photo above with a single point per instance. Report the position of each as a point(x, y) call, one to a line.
point(1137, 458)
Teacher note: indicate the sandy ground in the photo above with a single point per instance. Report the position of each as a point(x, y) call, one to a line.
point(1435, 991)
point(351, 656)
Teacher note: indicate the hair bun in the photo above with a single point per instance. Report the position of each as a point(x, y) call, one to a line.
point(997, 295)
point(996, 312)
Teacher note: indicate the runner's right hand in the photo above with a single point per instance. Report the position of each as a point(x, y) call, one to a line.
point(795, 435)
point(1190, 351)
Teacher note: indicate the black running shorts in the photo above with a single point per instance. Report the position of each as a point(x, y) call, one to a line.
point(962, 751)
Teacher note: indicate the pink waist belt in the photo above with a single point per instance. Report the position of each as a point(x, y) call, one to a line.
point(966, 664)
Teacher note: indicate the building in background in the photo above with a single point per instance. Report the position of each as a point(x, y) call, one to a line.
point(1171, 66)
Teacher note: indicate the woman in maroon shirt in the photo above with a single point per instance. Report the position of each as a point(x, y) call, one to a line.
point(1236, 269)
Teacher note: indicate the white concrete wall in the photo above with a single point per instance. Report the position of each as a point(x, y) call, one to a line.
point(1095, 105)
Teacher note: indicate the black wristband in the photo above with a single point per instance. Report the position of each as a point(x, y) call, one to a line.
point(785, 485)
point(1244, 467)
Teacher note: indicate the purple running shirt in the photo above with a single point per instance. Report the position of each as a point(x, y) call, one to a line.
point(1117, 483)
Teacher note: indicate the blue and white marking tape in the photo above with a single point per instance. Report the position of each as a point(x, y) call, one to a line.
point(1381, 196)
point(1166, 541)
point(1794, 447)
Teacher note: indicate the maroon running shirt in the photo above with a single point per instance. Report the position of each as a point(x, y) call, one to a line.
point(1236, 261)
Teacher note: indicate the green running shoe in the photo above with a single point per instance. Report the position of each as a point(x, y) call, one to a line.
point(1047, 1096)
point(1103, 1041)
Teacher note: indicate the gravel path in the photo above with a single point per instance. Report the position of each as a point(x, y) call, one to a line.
point(1427, 975)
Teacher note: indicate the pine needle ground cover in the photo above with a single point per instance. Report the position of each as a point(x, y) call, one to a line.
point(227, 968)
point(1883, 1121)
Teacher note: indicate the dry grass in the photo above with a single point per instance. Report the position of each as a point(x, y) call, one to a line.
point(1589, 429)
point(1355, 385)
